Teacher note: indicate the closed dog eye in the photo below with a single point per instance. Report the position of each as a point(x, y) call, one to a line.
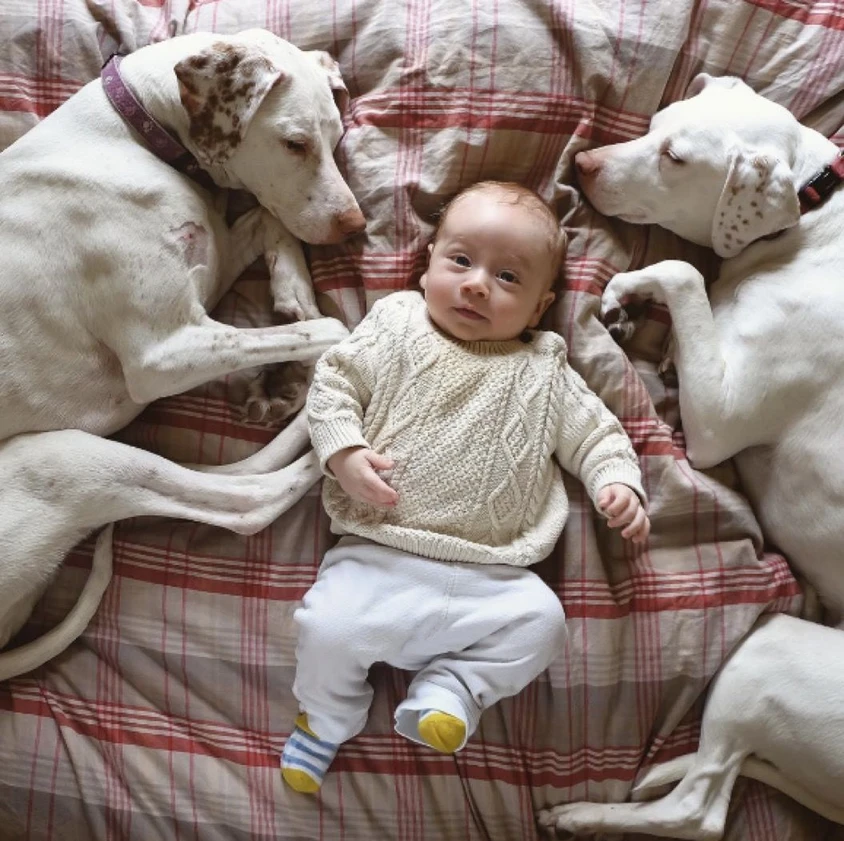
point(298, 147)
point(671, 155)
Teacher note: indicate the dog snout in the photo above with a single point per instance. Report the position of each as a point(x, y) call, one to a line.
point(588, 165)
point(349, 222)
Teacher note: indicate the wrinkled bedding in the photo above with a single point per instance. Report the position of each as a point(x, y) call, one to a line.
point(166, 719)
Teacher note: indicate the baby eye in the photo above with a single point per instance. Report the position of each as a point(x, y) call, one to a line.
point(461, 260)
point(508, 276)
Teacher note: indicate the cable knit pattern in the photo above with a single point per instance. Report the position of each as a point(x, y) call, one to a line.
point(472, 428)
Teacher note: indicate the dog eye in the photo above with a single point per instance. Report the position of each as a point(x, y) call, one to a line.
point(673, 156)
point(298, 147)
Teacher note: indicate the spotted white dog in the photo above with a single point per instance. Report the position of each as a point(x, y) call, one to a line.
point(115, 247)
point(761, 374)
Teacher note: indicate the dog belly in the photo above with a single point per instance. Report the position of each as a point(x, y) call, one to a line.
point(76, 390)
point(788, 673)
point(797, 491)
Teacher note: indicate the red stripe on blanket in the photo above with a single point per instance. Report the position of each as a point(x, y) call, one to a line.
point(829, 15)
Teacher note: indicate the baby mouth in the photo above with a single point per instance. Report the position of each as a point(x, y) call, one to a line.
point(470, 314)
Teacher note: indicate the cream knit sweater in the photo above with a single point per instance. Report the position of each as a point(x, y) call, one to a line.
point(472, 428)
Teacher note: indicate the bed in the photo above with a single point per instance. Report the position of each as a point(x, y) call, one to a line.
point(167, 718)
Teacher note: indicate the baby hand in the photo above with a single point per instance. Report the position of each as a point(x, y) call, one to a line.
point(354, 468)
point(622, 507)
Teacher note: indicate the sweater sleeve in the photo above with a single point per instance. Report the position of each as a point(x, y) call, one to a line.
point(343, 381)
point(591, 442)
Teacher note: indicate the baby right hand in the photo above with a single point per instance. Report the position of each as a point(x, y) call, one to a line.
point(354, 468)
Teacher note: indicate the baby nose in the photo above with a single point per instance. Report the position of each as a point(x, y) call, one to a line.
point(476, 283)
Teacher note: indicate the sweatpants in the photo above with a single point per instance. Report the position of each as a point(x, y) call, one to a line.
point(473, 633)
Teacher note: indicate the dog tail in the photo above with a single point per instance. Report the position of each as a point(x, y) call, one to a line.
point(27, 657)
point(756, 769)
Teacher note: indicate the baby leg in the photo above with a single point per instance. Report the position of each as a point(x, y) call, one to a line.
point(362, 609)
point(504, 627)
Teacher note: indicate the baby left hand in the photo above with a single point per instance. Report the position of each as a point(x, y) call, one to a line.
point(622, 507)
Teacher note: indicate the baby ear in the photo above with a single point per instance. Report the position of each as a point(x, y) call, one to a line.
point(544, 302)
point(759, 198)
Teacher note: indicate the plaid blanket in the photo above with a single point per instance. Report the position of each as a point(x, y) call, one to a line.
point(166, 719)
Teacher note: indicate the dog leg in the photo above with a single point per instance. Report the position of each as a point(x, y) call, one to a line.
point(245, 245)
point(290, 280)
point(695, 810)
point(279, 391)
point(196, 353)
point(62, 485)
point(715, 396)
point(281, 451)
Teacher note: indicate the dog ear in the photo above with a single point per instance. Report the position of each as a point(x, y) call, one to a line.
point(221, 89)
point(335, 80)
point(759, 198)
point(704, 80)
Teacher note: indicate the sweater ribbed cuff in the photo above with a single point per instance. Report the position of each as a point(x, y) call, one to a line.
point(332, 436)
point(622, 472)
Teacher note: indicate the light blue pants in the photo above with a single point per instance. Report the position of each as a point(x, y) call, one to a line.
point(474, 633)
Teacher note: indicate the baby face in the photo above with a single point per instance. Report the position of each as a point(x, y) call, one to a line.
point(490, 269)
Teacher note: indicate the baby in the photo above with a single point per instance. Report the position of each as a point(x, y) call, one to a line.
point(441, 423)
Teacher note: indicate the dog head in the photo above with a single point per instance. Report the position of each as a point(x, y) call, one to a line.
point(262, 115)
point(714, 168)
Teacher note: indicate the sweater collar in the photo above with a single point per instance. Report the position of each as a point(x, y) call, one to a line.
point(476, 348)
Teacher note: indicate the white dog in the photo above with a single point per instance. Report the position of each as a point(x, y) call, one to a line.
point(111, 259)
point(760, 367)
point(775, 712)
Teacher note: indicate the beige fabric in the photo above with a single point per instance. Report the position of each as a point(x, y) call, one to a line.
point(166, 719)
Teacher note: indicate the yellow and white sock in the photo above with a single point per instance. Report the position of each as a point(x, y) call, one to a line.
point(443, 732)
point(306, 758)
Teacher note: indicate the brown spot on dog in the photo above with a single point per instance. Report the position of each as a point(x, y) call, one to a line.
point(220, 92)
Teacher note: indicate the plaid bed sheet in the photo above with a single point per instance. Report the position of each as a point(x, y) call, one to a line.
point(165, 720)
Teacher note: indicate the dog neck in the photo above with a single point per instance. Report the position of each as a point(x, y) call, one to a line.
point(155, 85)
point(814, 153)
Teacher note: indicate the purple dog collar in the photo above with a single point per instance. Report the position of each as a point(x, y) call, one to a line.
point(156, 137)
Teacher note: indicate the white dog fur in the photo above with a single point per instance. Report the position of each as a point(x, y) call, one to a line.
point(774, 712)
point(111, 261)
point(760, 367)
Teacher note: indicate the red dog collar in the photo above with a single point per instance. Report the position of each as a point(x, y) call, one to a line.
point(820, 185)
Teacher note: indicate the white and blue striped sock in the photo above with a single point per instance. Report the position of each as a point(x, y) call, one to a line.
point(305, 759)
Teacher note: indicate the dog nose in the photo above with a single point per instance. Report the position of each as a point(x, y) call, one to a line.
point(350, 222)
point(587, 164)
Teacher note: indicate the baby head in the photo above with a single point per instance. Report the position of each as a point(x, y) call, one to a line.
point(493, 263)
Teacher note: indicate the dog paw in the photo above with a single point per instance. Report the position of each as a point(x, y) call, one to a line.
point(277, 393)
point(568, 821)
point(546, 819)
point(294, 307)
point(620, 326)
